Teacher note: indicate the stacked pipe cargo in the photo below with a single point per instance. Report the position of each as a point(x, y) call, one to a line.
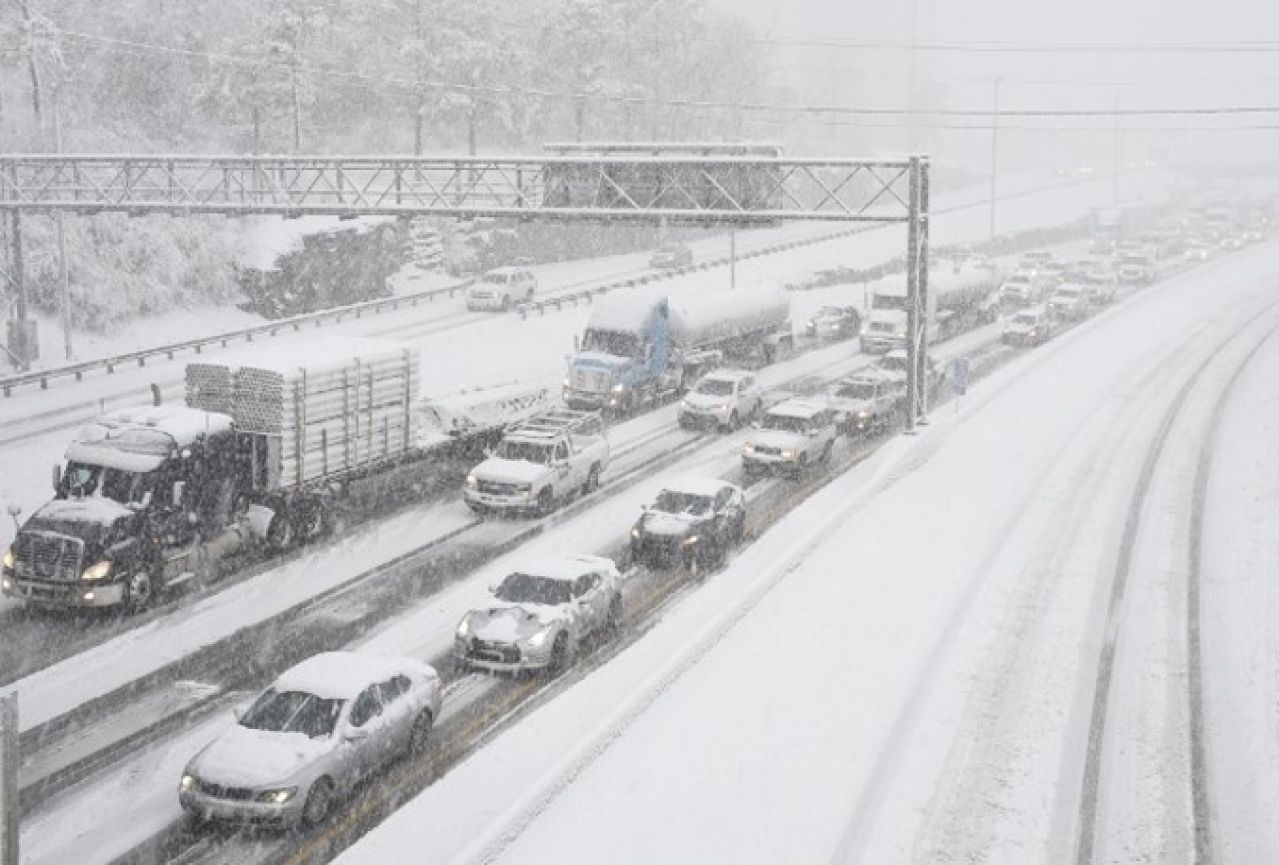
point(337, 405)
point(210, 387)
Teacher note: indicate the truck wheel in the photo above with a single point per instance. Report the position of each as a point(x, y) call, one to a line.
point(139, 592)
point(545, 502)
point(313, 522)
point(592, 481)
point(734, 422)
point(279, 534)
point(614, 620)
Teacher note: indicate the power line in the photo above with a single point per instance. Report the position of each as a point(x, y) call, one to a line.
point(996, 47)
point(131, 46)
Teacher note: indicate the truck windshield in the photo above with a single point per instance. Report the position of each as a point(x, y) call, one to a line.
point(616, 343)
point(671, 502)
point(715, 387)
point(529, 452)
point(856, 390)
point(880, 300)
point(784, 423)
point(528, 589)
point(81, 479)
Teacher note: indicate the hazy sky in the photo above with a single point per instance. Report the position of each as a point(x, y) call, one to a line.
point(1035, 79)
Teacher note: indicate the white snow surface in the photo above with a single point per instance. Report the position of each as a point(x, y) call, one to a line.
point(804, 704)
point(342, 675)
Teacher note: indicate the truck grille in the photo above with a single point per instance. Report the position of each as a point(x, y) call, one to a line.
point(591, 381)
point(42, 556)
point(493, 488)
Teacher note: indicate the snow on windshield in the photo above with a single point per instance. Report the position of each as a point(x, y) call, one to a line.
point(530, 589)
point(715, 387)
point(670, 502)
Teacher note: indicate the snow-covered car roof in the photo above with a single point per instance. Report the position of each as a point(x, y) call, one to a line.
point(695, 486)
point(343, 675)
point(726, 374)
point(566, 569)
point(800, 408)
point(1031, 312)
point(869, 375)
point(506, 270)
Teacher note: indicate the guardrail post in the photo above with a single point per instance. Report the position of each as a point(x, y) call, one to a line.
point(9, 778)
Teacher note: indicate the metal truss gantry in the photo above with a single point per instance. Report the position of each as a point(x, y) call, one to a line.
point(731, 189)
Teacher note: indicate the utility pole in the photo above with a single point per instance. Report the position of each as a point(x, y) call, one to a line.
point(994, 154)
point(732, 258)
point(62, 232)
point(1116, 148)
point(913, 144)
point(9, 778)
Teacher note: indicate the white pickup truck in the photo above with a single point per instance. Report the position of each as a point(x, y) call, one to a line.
point(539, 463)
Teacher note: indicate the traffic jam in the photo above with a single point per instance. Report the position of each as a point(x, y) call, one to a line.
point(718, 410)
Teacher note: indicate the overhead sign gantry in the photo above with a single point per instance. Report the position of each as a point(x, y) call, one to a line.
point(743, 185)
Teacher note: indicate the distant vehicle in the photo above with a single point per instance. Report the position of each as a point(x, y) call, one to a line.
point(895, 366)
point(642, 345)
point(540, 616)
point(835, 322)
point(1198, 250)
point(1035, 259)
point(693, 523)
point(1232, 243)
point(867, 401)
point(501, 288)
point(1137, 268)
point(325, 725)
point(1102, 245)
point(791, 436)
point(1030, 326)
point(1025, 286)
point(1068, 303)
point(540, 463)
point(671, 255)
point(959, 295)
point(724, 398)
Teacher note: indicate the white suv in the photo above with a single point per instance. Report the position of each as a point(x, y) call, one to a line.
point(500, 288)
point(792, 435)
point(723, 398)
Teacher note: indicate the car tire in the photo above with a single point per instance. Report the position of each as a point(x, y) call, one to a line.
point(139, 591)
point(420, 735)
point(734, 422)
point(545, 502)
point(318, 802)
point(592, 481)
point(826, 452)
point(614, 621)
point(559, 655)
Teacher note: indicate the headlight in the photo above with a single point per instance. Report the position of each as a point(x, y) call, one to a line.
point(188, 781)
point(619, 388)
point(471, 482)
point(636, 533)
point(8, 559)
point(539, 639)
point(464, 627)
point(748, 448)
point(788, 455)
point(684, 404)
point(567, 383)
point(864, 415)
point(277, 797)
point(690, 541)
point(100, 571)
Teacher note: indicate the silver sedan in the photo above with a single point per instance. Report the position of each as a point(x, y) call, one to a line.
point(325, 725)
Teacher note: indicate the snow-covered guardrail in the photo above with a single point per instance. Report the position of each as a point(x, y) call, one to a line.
point(272, 328)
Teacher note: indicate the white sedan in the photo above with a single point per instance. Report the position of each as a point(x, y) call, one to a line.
point(324, 726)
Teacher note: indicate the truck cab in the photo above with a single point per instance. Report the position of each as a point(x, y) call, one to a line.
point(139, 486)
point(621, 357)
point(540, 463)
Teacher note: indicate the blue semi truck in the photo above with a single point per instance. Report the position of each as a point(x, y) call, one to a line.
point(642, 345)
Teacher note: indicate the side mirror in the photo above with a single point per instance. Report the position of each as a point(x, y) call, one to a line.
point(14, 509)
point(57, 475)
point(238, 713)
point(179, 490)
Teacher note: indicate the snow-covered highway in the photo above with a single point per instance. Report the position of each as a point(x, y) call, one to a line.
point(964, 576)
